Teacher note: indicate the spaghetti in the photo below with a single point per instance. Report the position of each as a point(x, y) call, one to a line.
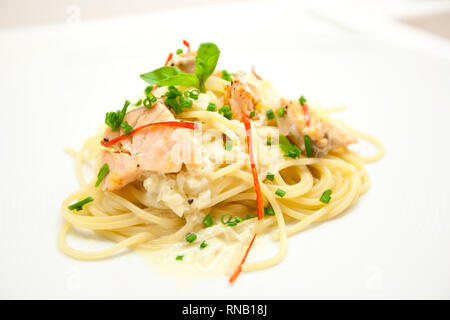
point(141, 214)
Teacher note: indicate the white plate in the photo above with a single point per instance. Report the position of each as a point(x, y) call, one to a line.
point(57, 82)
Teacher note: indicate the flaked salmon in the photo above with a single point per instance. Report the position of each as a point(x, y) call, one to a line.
point(325, 135)
point(241, 96)
point(154, 149)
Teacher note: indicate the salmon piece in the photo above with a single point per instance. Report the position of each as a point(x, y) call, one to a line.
point(241, 96)
point(325, 135)
point(162, 149)
point(185, 61)
point(123, 170)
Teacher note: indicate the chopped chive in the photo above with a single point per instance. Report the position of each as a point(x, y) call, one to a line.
point(238, 219)
point(270, 115)
point(280, 193)
point(138, 103)
point(225, 108)
point(179, 51)
point(180, 257)
point(175, 100)
point(226, 112)
point(281, 112)
point(194, 94)
point(269, 141)
point(232, 223)
point(148, 90)
point(252, 114)
point(249, 217)
point(289, 149)
point(172, 93)
point(308, 147)
point(208, 221)
point(211, 107)
point(268, 211)
point(126, 127)
point(150, 99)
point(114, 119)
point(190, 237)
point(302, 100)
point(102, 173)
point(325, 198)
point(147, 103)
point(185, 103)
point(270, 176)
point(203, 245)
point(79, 205)
point(229, 145)
point(229, 216)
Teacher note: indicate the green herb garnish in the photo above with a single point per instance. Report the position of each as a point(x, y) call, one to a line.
point(126, 127)
point(326, 196)
point(211, 107)
point(208, 221)
point(229, 217)
point(190, 237)
point(193, 94)
point(290, 150)
point(114, 119)
point(308, 146)
point(281, 112)
point(270, 176)
point(79, 205)
point(179, 51)
point(176, 101)
point(226, 112)
point(180, 257)
point(280, 193)
point(170, 76)
point(270, 115)
point(226, 76)
point(268, 211)
point(205, 64)
point(148, 90)
point(252, 114)
point(302, 100)
point(203, 245)
point(102, 173)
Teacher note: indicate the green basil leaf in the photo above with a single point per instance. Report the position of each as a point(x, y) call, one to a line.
point(205, 62)
point(155, 76)
point(183, 79)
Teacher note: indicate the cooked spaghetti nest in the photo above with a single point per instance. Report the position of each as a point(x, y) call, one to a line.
point(133, 217)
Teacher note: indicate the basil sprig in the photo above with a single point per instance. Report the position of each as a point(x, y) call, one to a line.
point(205, 64)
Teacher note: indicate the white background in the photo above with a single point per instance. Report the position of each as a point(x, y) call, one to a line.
point(58, 80)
